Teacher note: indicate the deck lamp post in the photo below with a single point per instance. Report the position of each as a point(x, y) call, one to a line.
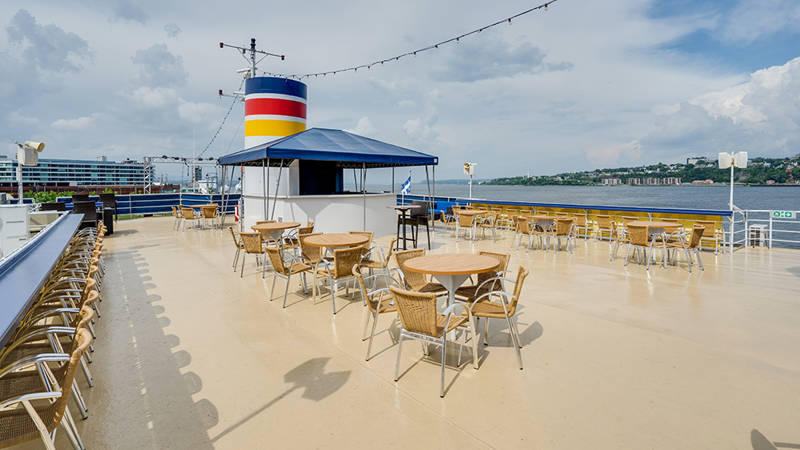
point(469, 169)
point(732, 160)
point(27, 155)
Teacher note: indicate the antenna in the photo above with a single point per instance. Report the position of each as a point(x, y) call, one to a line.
point(249, 54)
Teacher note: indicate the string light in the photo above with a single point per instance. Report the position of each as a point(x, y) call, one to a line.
point(543, 6)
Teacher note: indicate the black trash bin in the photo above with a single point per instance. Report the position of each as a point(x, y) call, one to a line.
point(108, 220)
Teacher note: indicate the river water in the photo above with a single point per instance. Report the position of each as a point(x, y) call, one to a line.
point(694, 197)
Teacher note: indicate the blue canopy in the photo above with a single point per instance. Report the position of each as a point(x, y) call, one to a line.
point(324, 144)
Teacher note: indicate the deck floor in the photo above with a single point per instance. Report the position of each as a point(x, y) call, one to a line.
point(189, 355)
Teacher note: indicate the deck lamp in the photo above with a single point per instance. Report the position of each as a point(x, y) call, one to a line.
point(27, 155)
point(732, 160)
point(469, 169)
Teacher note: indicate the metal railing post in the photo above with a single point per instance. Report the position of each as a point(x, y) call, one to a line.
point(746, 231)
point(770, 231)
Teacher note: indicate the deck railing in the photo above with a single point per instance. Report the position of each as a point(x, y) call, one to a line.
point(140, 204)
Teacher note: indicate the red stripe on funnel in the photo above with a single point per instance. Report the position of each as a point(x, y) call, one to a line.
point(275, 106)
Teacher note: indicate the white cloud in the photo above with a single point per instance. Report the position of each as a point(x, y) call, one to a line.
point(153, 98)
point(363, 127)
point(200, 112)
point(749, 21)
point(79, 123)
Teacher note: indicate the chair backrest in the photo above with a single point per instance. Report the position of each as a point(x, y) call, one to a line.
point(310, 253)
point(305, 230)
point(80, 198)
point(522, 273)
point(710, 227)
point(372, 305)
point(265, 221)
point(580, 220)
point(274, 254)
point(109, 200)
point(603, 222)
point(209, 212)
point(187, 213)
point(251, 242)
point(563, 226)
point(82, 341)
point(413, 279)
point(390, 252)
point(422, 210)
point(697, 235)
point(489, 219)
point(344, 259)
point(87, 208)
point(523, 226)
point(417, 310)
point(366, 245)
point(53, 206)
point(233, 236)
point(504, 258)
point(465, 220)
point(638, 235)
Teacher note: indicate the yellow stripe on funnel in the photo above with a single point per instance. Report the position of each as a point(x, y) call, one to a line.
point(272, 127)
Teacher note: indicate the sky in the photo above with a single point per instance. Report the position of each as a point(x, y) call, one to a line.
point(584, 85)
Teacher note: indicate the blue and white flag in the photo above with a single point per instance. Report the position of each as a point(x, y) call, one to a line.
point(405, 188)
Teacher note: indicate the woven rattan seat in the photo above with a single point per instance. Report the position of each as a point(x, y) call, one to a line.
point(469, 293)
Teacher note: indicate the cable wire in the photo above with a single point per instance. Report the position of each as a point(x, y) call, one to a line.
point(543, 6)
point(222, 124)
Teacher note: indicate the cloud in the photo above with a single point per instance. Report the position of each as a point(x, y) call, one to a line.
point(611, 155)
point(79, 123)
point(199, 112)
point(363, 127)
point(172, 29)
point(49, 47)
point(747, 22)
point(761, 115)
point(159, 67)
point(129, 11)
point(153, 98)
point(491, 57)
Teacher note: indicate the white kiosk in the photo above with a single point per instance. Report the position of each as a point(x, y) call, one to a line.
point(301, 177)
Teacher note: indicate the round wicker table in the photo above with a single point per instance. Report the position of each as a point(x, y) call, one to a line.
point(336, 240)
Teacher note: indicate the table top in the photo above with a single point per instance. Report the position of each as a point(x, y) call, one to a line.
point(655, 224)
point(24, 273)
point(452, 264)
point(275, 226)
point(470, 212)
point(332, 240)
point(404, 207)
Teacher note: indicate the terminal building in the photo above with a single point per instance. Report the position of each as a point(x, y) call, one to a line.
point(69, 174)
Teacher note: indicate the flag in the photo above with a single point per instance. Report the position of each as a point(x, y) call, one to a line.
point(405, 188)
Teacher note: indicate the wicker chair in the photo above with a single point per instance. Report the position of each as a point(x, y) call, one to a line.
point(209, 215)
point(565, 228)
point(252, 244)
point(340, 270)
point(639, 239)
point(710, 232)
point(604, 227)
point(544, 230)
point(34, 421)
point(692, 247)
point(421, 321)
point(375, 259)
point(619, 234)
point(237, 242)
point(487, 222)
point(376, 301)
point(367, 246)
point(465, 222)
point(280, 270)
point(176, 214)
point(581, 225)
point(505, 308)
point(188, 215)
point(487, 281)
point(413, 280)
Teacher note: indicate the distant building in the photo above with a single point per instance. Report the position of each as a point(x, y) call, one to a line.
point(693, 160)
point(53, 173)
point(709, 181)
point(653, 181)
point(612, 181)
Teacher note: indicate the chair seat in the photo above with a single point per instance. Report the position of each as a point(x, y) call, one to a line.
point(387, 305)
point(370, 264)
point(468, 292)
point(432, 288)
point(298, 267)
point(16, 426)
point(492, 310)
point(455, 321)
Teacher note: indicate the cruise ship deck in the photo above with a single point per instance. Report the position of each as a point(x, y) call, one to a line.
point(190, 355)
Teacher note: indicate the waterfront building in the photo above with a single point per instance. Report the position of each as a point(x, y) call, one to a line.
point(612, 181)
point(693, 160)
point(54, 173)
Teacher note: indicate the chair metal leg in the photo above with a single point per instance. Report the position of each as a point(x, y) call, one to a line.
point(286, 292)
point(372, 334)
point(514, 341)
point(444, 359)
point(272, 290)
point(472, 327)
point(78, 396)
point(486, 331)
point(244, 256)
point(699, 260)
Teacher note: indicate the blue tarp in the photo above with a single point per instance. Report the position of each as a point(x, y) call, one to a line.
point(323, 144)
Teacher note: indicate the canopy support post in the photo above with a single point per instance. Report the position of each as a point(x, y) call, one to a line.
point(222, 199)
point(433, 169)
point(364, 194)
point(275, 197)
point(428, 182)
point(392, 179)
point(241, 201)
point(264, 183)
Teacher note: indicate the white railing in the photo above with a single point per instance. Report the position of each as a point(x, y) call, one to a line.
point(768, 228)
